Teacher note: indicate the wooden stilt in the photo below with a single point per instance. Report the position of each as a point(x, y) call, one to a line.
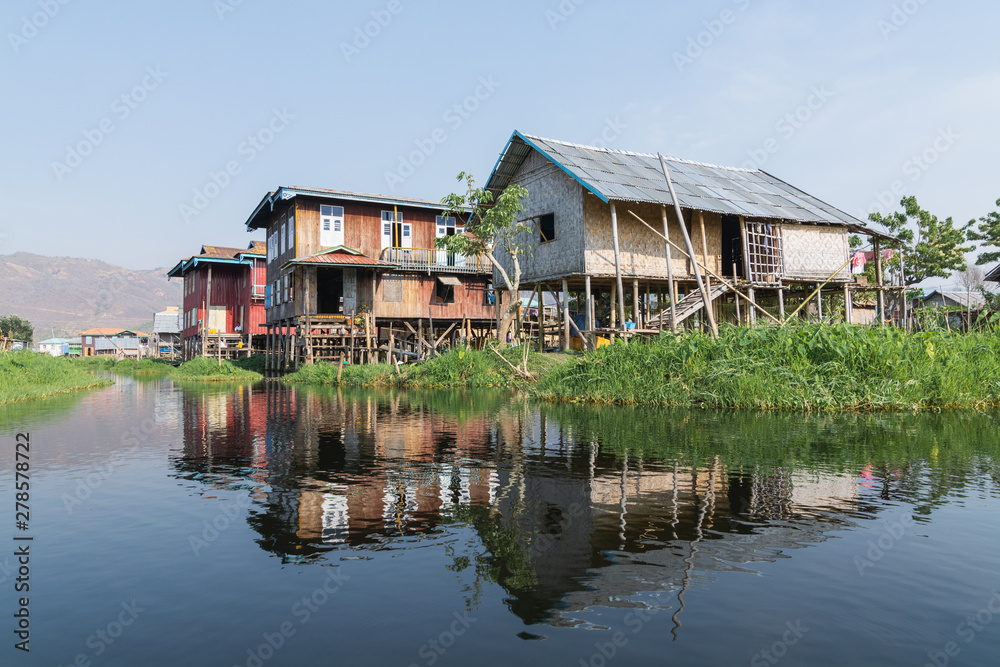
point(618, 266)
point(589, 321)
point(566, 318)
point(636, 314)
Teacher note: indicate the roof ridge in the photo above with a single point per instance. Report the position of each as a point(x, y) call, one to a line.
point(647, 155)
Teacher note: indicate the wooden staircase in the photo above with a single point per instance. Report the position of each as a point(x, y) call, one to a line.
point(688, 306)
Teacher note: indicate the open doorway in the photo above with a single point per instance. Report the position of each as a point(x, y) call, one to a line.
point(732, 246)
point(329, 291)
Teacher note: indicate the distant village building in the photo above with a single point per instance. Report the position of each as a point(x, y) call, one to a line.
point(57, 347)
point(223, 311)
point(335, 256)
point(116, 342)
point(599, 218)
point(166, 340)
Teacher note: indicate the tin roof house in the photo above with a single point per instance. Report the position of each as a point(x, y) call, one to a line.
point(223, 306)
point(604, 223)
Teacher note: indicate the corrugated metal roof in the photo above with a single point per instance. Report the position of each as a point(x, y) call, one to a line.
point(638, 177)
point(994, 275)
point(167, 322)
point(110, 332)
point(341, 257)
point(116, 344)
point(288, 192)
point(961, 298)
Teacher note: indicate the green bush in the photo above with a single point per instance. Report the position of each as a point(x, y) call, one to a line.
point(205, 369)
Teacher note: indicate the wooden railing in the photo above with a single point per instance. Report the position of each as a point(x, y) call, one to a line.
point(432, 259)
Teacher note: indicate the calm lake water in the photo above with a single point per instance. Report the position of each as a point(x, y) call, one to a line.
point(264, 525)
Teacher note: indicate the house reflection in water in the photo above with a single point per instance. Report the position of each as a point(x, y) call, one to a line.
point(577, 526)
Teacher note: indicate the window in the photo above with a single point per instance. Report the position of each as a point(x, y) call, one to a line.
point(444, 289)
point(291, 229)
point(396, 233)
point(283, 226)
point(331, 231)
point(547, 227)
point(88, 340)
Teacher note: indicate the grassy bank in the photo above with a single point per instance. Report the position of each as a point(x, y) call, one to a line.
point(803, 367)
point(209, 370)
point(27, 375)
point(460, 368)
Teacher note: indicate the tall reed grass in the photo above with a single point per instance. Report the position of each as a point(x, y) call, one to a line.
point(803, 367)
point(27, 375)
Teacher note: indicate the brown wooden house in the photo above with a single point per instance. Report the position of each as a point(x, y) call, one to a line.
point(338, 260)
point(223, 312)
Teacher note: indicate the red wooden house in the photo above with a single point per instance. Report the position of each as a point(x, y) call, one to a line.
point(333, 254)
point(223, 300)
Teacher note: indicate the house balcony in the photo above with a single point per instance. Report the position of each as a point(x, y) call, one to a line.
point(434, 260)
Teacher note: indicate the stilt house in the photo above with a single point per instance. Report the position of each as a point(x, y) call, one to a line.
point(223, 313)
point(600, 218)
point(339, 260)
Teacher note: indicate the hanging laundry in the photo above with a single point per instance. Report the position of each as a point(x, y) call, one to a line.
point(858, 263)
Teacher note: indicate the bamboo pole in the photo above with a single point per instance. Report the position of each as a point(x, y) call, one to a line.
point(709, 271)
point(808, 298)
point(566, 318)
point(879, 281)
point(739, 320)
point(588, 322)
point(690, 248)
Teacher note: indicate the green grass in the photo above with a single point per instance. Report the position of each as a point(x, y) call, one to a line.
point(803, 367)
point(141, 366)
point(210, 370)
point(28, 375)
point(253, 363)
point(458, 368)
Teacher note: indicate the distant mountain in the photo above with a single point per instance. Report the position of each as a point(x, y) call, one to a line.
point(66, 295)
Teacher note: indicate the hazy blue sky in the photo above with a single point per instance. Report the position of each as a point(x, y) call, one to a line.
point(116, 114)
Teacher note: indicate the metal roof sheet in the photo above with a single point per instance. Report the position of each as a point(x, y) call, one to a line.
point(628, 176)
point(340, 257)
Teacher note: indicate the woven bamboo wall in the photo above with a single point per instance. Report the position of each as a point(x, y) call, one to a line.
point(814, 253)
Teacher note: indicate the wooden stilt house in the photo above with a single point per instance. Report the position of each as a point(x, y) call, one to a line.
point(356, 276)
point(606, 228)
point(223, 313)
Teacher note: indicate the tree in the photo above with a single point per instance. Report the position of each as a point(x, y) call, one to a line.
point(987, 231)
point(972, 280)
point(14, 327)
point(492, 231)
point(931, 248)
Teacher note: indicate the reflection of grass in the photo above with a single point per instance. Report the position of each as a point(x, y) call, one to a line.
point(509, 563)
point(27, 375)
point(802, 368)
point(210, 370)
